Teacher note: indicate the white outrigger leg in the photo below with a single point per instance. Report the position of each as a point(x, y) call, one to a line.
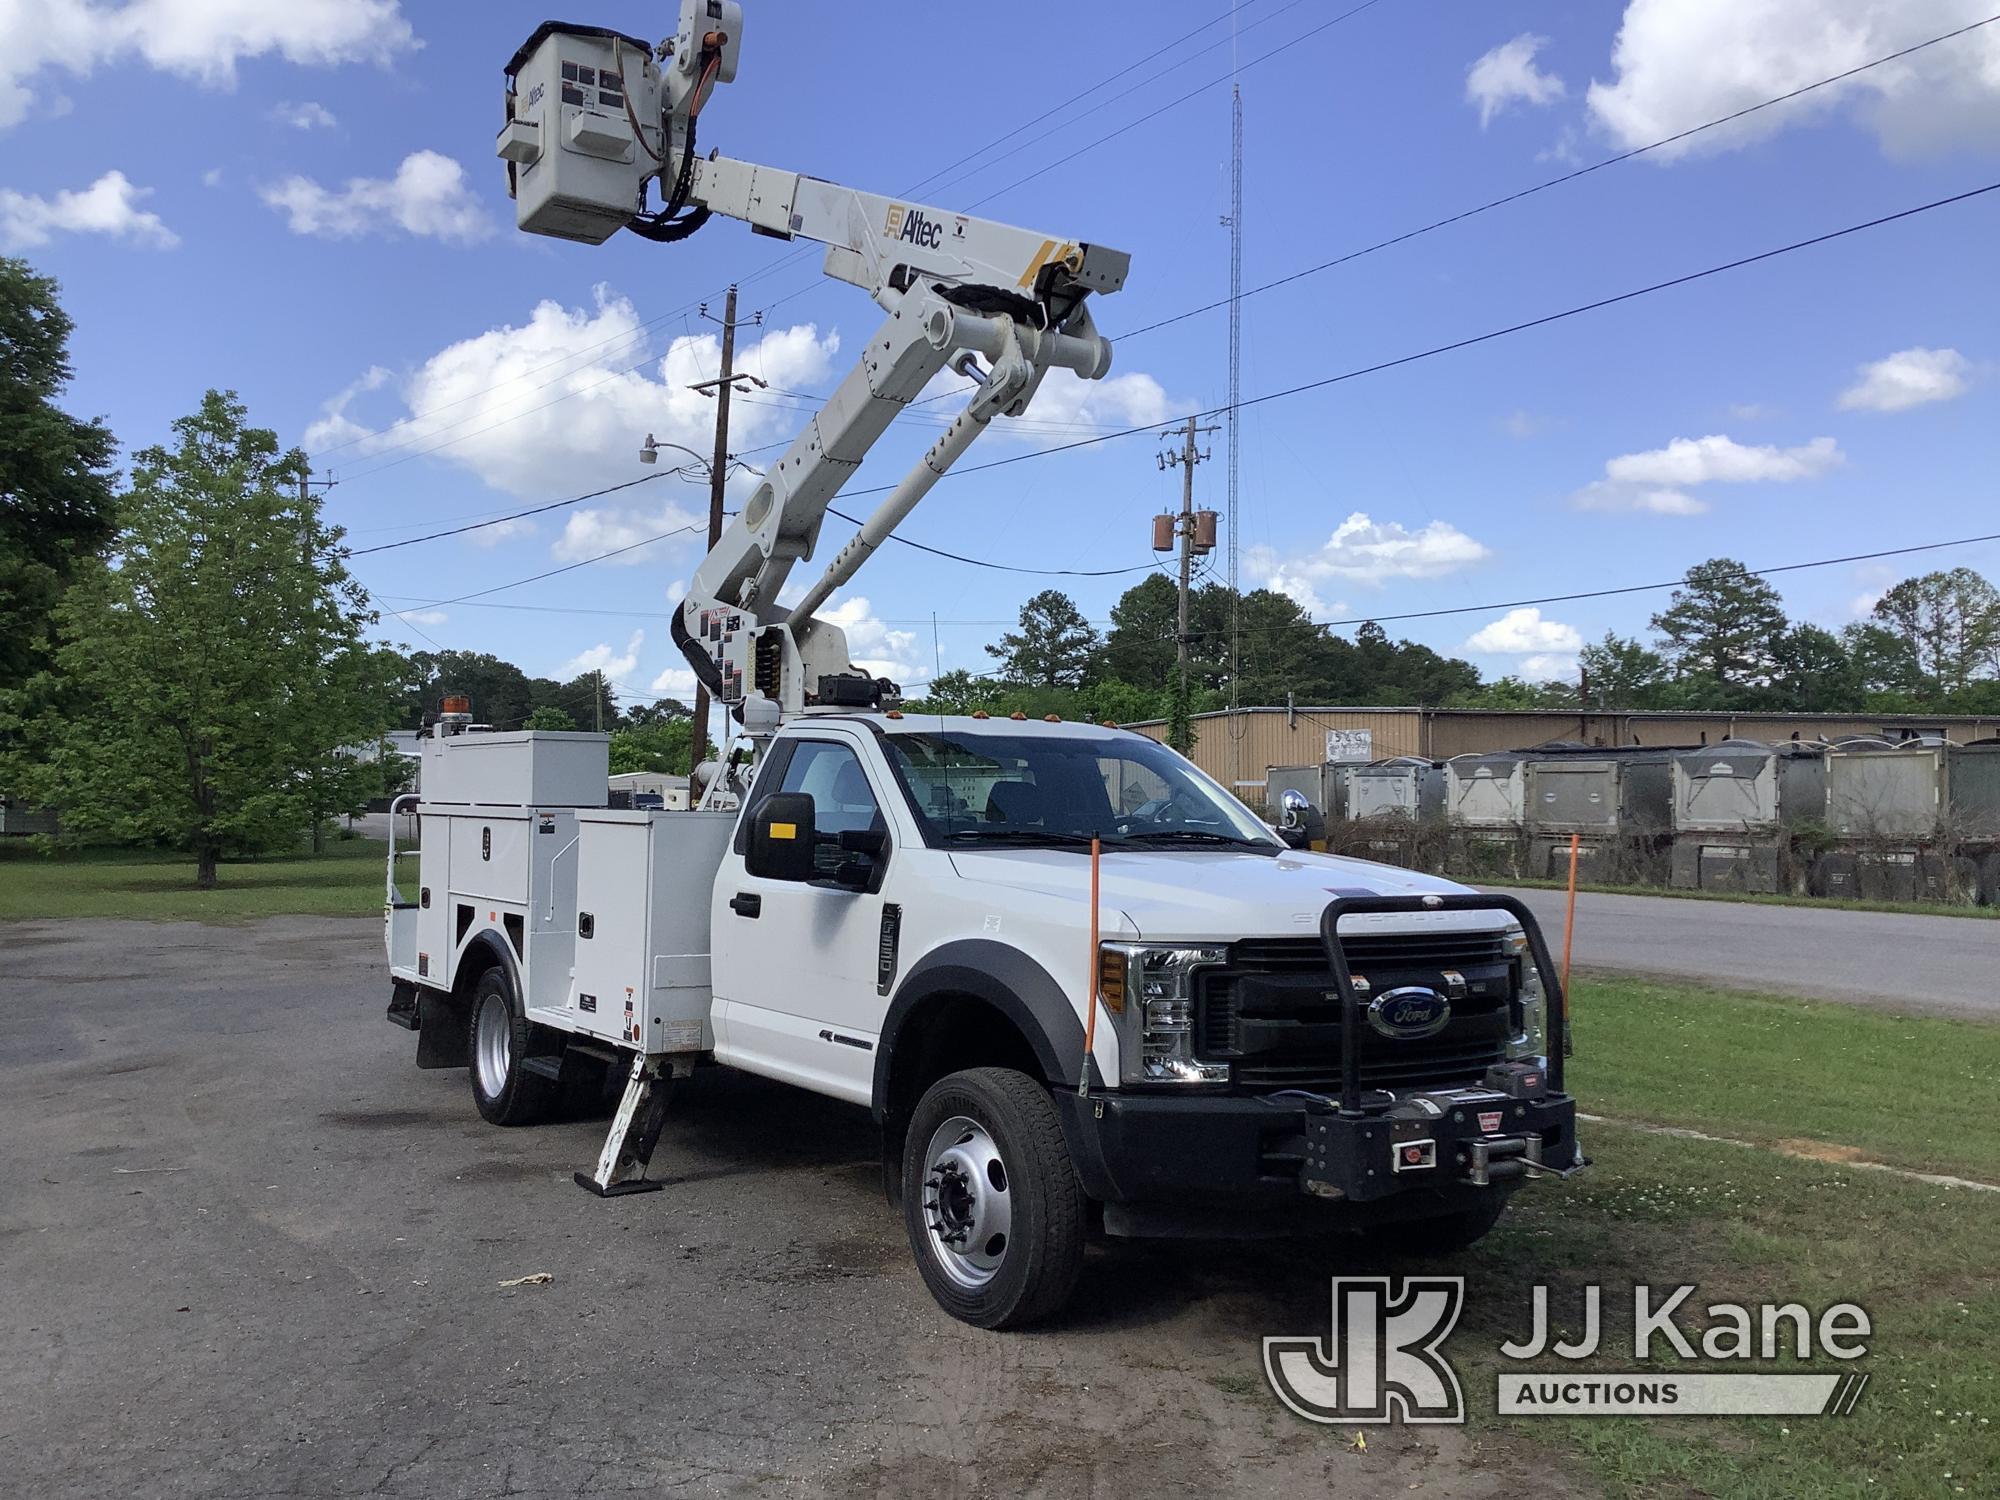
point(635, 1128)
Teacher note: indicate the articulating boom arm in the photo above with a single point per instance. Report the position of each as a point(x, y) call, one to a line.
point(593, 116)
point(957, 291)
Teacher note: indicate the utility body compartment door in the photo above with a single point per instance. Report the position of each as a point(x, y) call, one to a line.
point(795, 962)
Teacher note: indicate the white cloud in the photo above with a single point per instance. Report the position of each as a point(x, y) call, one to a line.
point(1508, 73)
point(500, 531)
point(1659, 479)
point(1066, 405)
point(1750, 411)
point(560, 404)
point(1721, 460)
point(199, 39)
point(334, 426)
point(1366, 551)
point(212, 177)
point(871, 645)
point(675, 682)
point(424, 616)
point(603, 658)
point(592, 533)
point(1907, 378)
point(109, 206)
point(427, 197)
point(1549, 668)
point(1678, 63)
point(1521, 632)
point(305, 116)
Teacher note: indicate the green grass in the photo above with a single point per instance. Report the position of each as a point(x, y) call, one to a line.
point(1754, 898)
point(1749, 1227)
point(1912, 1091)
point(345, 881)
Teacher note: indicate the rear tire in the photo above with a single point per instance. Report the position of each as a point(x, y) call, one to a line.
point(995, 1214)
point(498, 1045)
point(1446, 1234)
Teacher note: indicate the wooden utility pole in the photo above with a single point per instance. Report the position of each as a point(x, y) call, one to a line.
point(718, 476)
point(1185, 460)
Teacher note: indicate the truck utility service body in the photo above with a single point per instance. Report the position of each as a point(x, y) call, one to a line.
point(1068, 973)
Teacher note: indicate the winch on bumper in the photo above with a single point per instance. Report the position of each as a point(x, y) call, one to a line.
point(1231, 1164)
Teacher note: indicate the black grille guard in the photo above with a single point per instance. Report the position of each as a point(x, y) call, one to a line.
point(1556, 1002)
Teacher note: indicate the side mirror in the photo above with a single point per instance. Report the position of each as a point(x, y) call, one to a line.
point(781, 840)
point(1292, 809)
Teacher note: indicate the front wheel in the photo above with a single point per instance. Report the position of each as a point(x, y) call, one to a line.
point(993, 1208)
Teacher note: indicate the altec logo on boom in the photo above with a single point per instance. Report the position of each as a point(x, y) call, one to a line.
point(914, 225)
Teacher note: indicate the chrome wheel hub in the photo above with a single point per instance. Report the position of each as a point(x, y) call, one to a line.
point(493, 1040)
point(968, 1209)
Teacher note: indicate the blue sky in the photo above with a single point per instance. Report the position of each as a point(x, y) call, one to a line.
point(301, 202)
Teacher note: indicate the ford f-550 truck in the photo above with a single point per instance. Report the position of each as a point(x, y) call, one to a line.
point(1257, 1040)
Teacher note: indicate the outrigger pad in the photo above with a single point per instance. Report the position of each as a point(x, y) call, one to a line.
point(618, 1189)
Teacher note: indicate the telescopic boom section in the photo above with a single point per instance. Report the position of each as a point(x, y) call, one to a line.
point(1001, 305)
point(593, 116)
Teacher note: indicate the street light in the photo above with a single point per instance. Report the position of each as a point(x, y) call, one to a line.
point(650, 454)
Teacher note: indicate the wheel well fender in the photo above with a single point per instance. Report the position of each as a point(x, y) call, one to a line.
point(992, 997)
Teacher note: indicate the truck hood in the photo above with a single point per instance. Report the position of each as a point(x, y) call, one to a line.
point(1218, 894)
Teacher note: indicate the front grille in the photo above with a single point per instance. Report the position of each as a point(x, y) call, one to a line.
point(1285, 1033)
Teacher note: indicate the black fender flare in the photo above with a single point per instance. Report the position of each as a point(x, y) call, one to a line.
point(496, 950)
point(1006, 979)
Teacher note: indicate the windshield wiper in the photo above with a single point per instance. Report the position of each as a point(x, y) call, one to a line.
point(1196, 836)
point(1039, 836)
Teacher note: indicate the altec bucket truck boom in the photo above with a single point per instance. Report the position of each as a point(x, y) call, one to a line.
point(1000, 305)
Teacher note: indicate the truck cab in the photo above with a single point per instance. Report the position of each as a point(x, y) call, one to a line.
point(901, 916)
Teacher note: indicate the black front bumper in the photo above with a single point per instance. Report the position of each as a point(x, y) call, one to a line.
point(1235, 1164)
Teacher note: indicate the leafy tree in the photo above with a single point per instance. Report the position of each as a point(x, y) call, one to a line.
point(660, 748)
point(1053, 647)
point(1722, 627)
point(218, 668)
point(501, 692)
point(1619, 672)
point(1951, 623)
point(1883, 661)
point(644, 715)
point(1512, 692)
point(1140, 644)
point(548, 718)
point(56, 502)
point(1814, 673)
point(587, 699)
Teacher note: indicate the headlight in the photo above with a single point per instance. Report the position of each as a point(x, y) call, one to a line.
point(1531, 1006)
point(1151, 991)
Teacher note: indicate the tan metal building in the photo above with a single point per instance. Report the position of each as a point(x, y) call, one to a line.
point(1236, 749)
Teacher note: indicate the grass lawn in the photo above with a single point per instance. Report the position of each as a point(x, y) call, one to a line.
point(345, 881)
point(1926, 908)
point(1913, 1091)
point(1750, 1227)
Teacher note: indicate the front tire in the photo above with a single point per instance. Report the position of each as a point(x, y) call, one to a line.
point(994, 1211)
point(498, 1049)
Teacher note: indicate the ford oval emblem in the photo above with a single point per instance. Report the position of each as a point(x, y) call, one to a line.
point(1409, 1014)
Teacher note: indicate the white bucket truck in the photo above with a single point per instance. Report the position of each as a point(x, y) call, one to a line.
point(1074, 979)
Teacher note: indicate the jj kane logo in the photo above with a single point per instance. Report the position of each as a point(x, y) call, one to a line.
point(1382, 1359)
point(914, 226)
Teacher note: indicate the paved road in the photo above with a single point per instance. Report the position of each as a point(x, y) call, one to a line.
point(1905, 962)
point(249, 1250)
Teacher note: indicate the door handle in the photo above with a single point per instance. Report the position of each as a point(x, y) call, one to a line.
point(747, 904)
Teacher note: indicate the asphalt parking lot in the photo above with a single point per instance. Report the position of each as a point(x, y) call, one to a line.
point(250, 1250)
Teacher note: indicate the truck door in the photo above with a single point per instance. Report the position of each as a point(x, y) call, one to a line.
point(794, 963)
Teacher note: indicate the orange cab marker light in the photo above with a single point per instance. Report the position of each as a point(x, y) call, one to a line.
point(1017, 714)
point(980, 713)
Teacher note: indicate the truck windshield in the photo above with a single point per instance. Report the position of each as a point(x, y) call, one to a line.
point(1054, 791)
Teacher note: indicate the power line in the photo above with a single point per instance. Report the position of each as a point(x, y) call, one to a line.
point(1528, 192)
point(511, 515)
point(1321, 384)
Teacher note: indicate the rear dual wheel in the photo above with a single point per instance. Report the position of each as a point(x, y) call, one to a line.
point(499, 1047)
